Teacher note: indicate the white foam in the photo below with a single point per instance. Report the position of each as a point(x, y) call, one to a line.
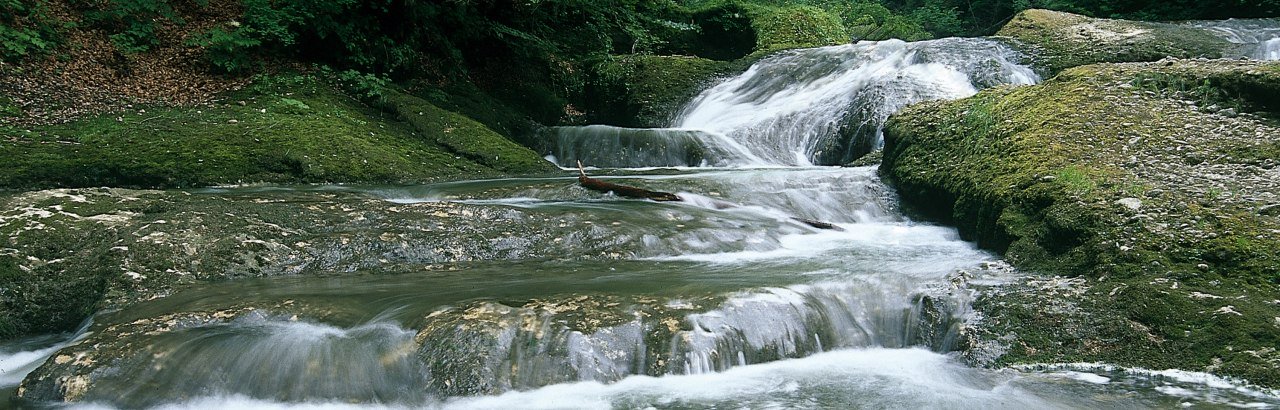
point(824, 104)
point(866, 236)
point(1189, 383)
point(15, 366)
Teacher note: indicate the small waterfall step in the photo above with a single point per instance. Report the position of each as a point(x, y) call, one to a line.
point(617, 147)
point(827, 106)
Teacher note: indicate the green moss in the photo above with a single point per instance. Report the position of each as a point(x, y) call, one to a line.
point(464, 98)
point(8, 108)
point(795, 26)
point(1062, 40)
point(467, 138)
point(64, 275)
point(1053, 176)
point(291, 129)
point(646, 90)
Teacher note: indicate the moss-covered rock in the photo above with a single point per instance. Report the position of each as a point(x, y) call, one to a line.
point(1146, 183)
point(795, 26)
point(282, 129)
point(1059, 40)
point(648, 91)
point(466, 137)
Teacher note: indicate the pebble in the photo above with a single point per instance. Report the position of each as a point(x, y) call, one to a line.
point(1134, 204)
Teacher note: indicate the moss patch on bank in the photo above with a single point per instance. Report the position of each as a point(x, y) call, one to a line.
point(1154, 195)
point(280, 129)
point(1059, 40)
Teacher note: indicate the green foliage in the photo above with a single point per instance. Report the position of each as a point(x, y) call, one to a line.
point(25, 28)
point(132, 23)
point(872, 21)
point(939, 18)
point(229, 50)
point(363, 85)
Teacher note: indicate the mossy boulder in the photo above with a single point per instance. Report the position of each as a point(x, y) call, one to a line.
point(647, 91)
point(280, 129)
point(1146, 184)
point(1059, 40)
point(795, 26)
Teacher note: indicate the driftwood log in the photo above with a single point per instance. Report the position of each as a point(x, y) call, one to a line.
point(623, 190)
point(627, 191)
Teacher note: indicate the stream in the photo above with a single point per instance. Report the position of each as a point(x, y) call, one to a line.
point(723, 300)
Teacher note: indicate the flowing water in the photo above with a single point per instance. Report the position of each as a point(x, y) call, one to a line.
point(824, 105)
point(724, 300)
point(1259, 39)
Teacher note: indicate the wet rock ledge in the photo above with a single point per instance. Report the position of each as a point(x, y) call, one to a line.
point(1150, 189)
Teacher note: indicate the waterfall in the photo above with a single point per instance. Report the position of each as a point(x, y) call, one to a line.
point(615, 147)
point(1259, 39)
point(820, 106)
point(828, 105)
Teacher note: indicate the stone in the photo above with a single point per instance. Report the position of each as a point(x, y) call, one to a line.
point(1134, 204)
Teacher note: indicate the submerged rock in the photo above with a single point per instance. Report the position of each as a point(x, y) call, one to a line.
point(1052, 174)
point(65, 254)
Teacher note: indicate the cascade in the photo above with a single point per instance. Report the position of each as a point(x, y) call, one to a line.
point(1259, 39)
point(827, 106)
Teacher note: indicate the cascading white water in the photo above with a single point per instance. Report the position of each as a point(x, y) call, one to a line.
point(827, 105)
point(1259, 39)
point(1269, 50)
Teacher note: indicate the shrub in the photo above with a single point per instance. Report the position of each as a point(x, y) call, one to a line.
point(25, 28)
point(872, 21)
point(229, 50)
point(132, 22)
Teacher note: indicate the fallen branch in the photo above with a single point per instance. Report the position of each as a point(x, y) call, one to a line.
point(623, 190)
point(641, 193)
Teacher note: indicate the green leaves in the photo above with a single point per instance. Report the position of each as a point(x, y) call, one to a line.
point(228, 49)
point(132, 22)
point(25, 29)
